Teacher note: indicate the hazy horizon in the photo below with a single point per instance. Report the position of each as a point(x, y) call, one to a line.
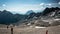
point(22, 6)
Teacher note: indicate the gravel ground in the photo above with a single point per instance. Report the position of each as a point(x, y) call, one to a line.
point(51, 30)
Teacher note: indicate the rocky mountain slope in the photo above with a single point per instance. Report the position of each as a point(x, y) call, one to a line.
point(46, 18)
point(49, 17)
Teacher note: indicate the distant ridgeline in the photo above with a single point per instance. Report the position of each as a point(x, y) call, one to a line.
point(7, 17)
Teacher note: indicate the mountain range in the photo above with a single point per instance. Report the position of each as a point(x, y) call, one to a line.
point(7, 17)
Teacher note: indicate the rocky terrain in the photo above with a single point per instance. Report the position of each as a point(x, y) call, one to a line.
point(49, 17)
point(31, 30)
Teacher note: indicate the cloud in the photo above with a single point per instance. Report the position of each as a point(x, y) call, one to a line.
point(3, 5)
point(45, 4)
point(58, 2)
point(49, 4)
point(42, 4)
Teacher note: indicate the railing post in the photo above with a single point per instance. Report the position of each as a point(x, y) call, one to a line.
point(46, 31)
point(11, 30)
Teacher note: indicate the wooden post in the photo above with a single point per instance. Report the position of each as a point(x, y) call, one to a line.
point(11, 30)
point(7, 27)
point(46, 31)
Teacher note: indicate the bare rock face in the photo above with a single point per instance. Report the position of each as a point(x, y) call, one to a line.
point(55, 23)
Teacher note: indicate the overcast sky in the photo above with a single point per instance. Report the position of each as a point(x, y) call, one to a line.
point(22, 6)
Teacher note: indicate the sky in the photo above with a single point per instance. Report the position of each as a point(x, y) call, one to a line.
point(22, 6)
